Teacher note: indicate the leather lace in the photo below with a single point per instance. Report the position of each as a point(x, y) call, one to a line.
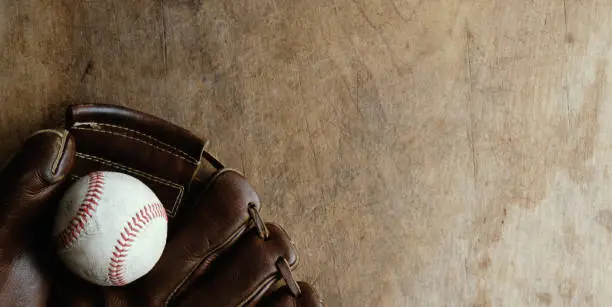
point(281, 264)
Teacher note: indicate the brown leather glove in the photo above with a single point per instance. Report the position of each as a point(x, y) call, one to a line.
point(219, 251)
point(29, 186)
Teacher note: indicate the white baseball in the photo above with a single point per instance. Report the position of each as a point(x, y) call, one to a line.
point(110, 229)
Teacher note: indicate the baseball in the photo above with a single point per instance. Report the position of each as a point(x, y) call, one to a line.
point(110, 228)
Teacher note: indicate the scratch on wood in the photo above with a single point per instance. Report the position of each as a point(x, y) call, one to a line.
point(391, 55)
point(473, 146)
point(164, 42)
point(566, 87)
point(243, 162)
point(352, 96)
point(354, 99)
point(353, 92)
point(360, 55)
point(312, 147)
point(382, 37)
point(402, 16)
point(358, 85)
point(565, 15)
point(397, 11)
point(567, 103)
point(468, 51)
point(364, 15)
point(88, 69)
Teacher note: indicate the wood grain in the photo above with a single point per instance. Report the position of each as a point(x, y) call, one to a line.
point(421, 153)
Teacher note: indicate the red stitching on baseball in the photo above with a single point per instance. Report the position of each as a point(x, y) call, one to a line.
point(116, 270)
point(86, 210)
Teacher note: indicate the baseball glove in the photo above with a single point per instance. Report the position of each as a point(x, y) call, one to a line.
point(219, 251)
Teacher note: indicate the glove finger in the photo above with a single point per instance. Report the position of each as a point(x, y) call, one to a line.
point(32, 177)
point(28, 184)
point(283, 297)
point(222, 211)
point(245, 272)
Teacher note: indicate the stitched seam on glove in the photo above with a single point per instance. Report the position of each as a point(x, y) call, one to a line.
point(78, 124)
point(190, 160)
point(85, 211)
point(116, 268)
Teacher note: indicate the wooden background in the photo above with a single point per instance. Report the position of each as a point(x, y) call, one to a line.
point(421, 153)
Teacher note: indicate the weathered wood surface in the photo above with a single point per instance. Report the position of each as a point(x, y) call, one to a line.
point(421, 153)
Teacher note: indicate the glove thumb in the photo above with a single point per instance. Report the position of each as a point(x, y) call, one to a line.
point(34, 174)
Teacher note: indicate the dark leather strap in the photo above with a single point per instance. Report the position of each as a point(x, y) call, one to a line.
point(284, 298)
point(285, 271)
point(132, 122)
point(162, 155)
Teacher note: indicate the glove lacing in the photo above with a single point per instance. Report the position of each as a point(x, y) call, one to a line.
point(281, 264)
